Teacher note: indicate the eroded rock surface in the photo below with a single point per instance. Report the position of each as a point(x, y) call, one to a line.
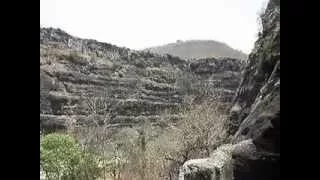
point(137, 85)
point(255, 114)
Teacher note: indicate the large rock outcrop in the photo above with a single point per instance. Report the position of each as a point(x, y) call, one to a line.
point(216, 167)
point(82, 80)
point(256, 110)
point(255, 114)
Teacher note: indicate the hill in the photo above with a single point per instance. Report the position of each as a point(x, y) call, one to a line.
point(195, 49)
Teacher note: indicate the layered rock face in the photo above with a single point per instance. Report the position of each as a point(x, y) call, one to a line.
point(255, 115)
point(215, 79)
point(81, 78)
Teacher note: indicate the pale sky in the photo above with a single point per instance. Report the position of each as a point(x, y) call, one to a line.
point(139, 24)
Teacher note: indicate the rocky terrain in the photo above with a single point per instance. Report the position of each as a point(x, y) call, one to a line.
point(82, 78)
point(255, 116)
point(84, 82)
point(195, 49)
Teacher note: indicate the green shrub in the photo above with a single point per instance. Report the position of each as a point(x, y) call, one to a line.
point(88, 168)
point(62, 158)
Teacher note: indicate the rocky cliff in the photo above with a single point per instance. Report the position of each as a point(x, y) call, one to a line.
point(255, 116)
point(82, 78)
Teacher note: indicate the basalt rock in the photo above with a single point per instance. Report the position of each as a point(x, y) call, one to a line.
point(77, 74)
point(255, 114)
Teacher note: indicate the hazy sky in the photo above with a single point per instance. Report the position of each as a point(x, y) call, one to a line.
point(139, 24)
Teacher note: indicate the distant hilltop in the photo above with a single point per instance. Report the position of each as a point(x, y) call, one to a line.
point(195, 49)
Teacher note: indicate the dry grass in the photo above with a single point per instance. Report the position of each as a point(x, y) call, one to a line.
point(136, 154)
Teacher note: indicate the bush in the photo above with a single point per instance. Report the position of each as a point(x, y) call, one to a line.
point(201, 130)
point(150, 152)
point(62, 158)
point(88, 168)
